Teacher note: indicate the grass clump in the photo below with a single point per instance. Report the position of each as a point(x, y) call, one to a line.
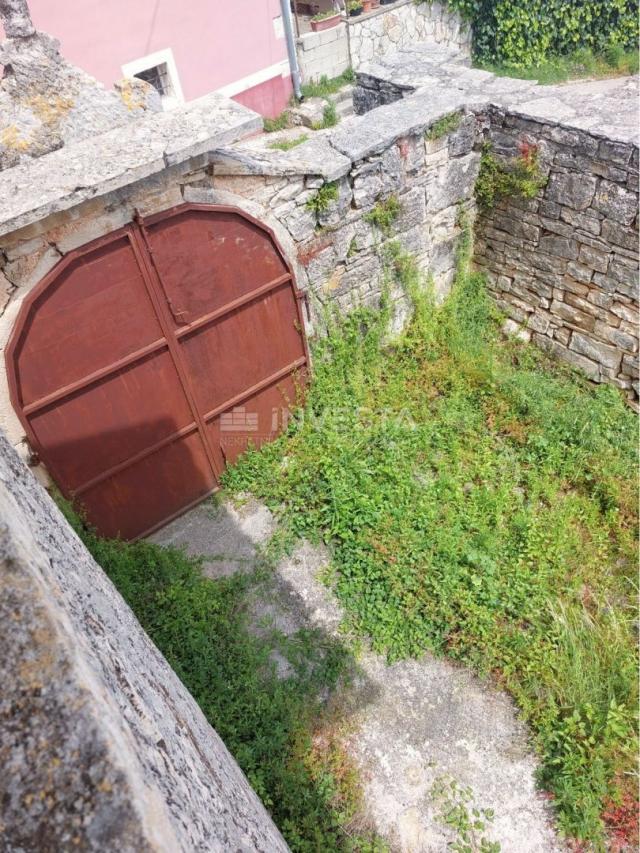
point(481, 503)
point(443, 126)
point(384, 214)
point(320, 200)
point(288, 144)
point(330, 117)
point(281, 122)
point(281, 734)
point(328, 86)
point(614, 61)
point(520, 177)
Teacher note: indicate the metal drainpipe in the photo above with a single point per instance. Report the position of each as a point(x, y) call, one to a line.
point(291, 48)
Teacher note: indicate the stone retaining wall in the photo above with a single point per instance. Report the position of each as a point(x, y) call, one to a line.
point(403, 24)
point(564, 266)
point(102, 747)
point(340, 251)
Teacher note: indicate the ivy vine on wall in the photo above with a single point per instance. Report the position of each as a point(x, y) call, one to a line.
point(522, 34)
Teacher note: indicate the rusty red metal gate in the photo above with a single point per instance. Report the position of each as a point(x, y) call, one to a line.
point(149, 358)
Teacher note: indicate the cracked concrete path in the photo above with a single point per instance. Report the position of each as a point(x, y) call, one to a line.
point(411, 722)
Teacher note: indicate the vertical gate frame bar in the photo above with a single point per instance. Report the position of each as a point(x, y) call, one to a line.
point(150, 272)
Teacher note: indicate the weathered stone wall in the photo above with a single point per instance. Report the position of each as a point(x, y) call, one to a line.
point(402, 25)
point(324, 54)
point(45, 102)
point(101, 746)
point(337, 253)
point(564, 266)
point(340, 251)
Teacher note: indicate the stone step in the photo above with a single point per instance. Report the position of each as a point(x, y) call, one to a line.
point(345, 109)
point(344, 94)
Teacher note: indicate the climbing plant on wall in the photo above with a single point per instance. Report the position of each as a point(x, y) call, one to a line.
point(520, 34)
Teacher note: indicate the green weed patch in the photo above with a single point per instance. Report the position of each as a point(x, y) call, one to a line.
point(480, 503)
point(284, 738)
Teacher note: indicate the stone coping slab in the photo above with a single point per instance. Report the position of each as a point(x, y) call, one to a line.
point(76, 173)
point(605, 108)
point(363, 136)
point(315, 156)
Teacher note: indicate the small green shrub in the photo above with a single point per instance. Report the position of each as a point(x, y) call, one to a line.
point(320, 200)
point(384, 214)
point(330, 117)
point(328, 86)
point(520, 177)
point(457, 810)
point(443, 126)
point(281, 122)
point(288, 144)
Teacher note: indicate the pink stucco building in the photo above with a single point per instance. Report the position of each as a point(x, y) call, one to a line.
point(188, 49)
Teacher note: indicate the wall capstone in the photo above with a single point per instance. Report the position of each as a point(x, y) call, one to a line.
point(101, 745)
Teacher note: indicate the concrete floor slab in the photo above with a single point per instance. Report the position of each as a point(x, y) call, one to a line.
point(411, 722)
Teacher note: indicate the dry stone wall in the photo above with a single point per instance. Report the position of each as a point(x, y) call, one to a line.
point(338, 252)
point(402, 25)
point(564, 266)
point(101, 746)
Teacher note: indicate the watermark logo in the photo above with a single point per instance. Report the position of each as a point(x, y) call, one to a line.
point(239, 420)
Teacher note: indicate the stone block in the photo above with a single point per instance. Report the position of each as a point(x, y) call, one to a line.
point(570, 285)
point(580, 272)
point(596, 351)
point(463, 139)
point(624, 340)
point(337, 210)
point(587, 221)
point(581, 143)
point(300, 222)
point(626, 312)
point(616, 202)
point(562, 335)
point(624, 271)
point(539, 322)
point(413, 210)
point(549, 209)
point(518, 227)
point(76, 233)
point(26, 271)
point(555, 226)
point(584, 305)
point(630, 365)
point(598, 261)
point(455, 183)
point(556, 349)
point(616, 234)
point(560, 247)
point(602, 300)
point(514, 330)
point(575, 191)
point(618, 153)
point(103, 746)
point(572, 315)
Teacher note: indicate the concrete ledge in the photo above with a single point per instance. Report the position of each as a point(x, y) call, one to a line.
point(76, 173)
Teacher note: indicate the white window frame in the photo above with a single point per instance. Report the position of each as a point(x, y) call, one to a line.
point(159, 57)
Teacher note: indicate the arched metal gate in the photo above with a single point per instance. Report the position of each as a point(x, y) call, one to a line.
point(149, 358)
